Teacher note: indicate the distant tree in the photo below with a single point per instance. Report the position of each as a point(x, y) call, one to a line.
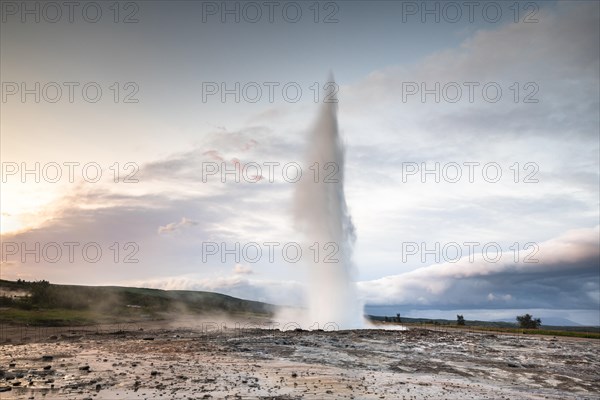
point(398, 318)
point(460, 320)
point(387, 319)
point(528, 322)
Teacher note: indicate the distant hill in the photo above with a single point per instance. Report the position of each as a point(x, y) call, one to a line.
point(43, 303)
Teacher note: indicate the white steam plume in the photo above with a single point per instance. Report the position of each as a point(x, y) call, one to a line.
point(322, 217)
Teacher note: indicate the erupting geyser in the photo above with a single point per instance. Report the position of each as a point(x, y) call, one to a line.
point(322, 218)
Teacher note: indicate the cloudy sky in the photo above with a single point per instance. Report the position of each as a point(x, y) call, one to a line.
point(472, 148)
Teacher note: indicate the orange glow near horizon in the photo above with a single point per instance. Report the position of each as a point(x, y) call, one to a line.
point(25, 207)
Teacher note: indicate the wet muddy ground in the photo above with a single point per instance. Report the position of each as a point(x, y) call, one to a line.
point(183, 363)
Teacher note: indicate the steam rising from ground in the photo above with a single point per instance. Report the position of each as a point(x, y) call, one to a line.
point(322, 217)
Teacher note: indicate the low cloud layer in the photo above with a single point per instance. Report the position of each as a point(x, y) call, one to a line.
point(565, 277)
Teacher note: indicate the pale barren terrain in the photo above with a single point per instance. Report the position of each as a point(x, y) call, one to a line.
point(201, 363)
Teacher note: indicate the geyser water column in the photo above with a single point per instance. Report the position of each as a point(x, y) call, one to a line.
point(322, 218)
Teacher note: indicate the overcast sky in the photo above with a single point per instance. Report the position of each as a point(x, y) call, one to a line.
point(502, 100)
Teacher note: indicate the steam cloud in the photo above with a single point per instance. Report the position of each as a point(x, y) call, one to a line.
point(322, 217)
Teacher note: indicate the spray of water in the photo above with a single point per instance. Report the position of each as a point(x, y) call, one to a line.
point(323, 220)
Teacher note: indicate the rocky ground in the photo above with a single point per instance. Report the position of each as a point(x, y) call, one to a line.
point(184, 363)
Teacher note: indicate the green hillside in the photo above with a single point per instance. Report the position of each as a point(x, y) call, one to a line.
point(43, 303)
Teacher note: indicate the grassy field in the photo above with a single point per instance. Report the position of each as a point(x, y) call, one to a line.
point(589, 332)
point(51, 317)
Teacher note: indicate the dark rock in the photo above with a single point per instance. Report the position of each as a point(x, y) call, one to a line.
point(47, 367)
point(5, 389)
point(47, 358)
point(148, 338)
point(84, 368)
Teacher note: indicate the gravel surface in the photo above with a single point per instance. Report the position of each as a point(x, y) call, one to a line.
point(183, 363)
